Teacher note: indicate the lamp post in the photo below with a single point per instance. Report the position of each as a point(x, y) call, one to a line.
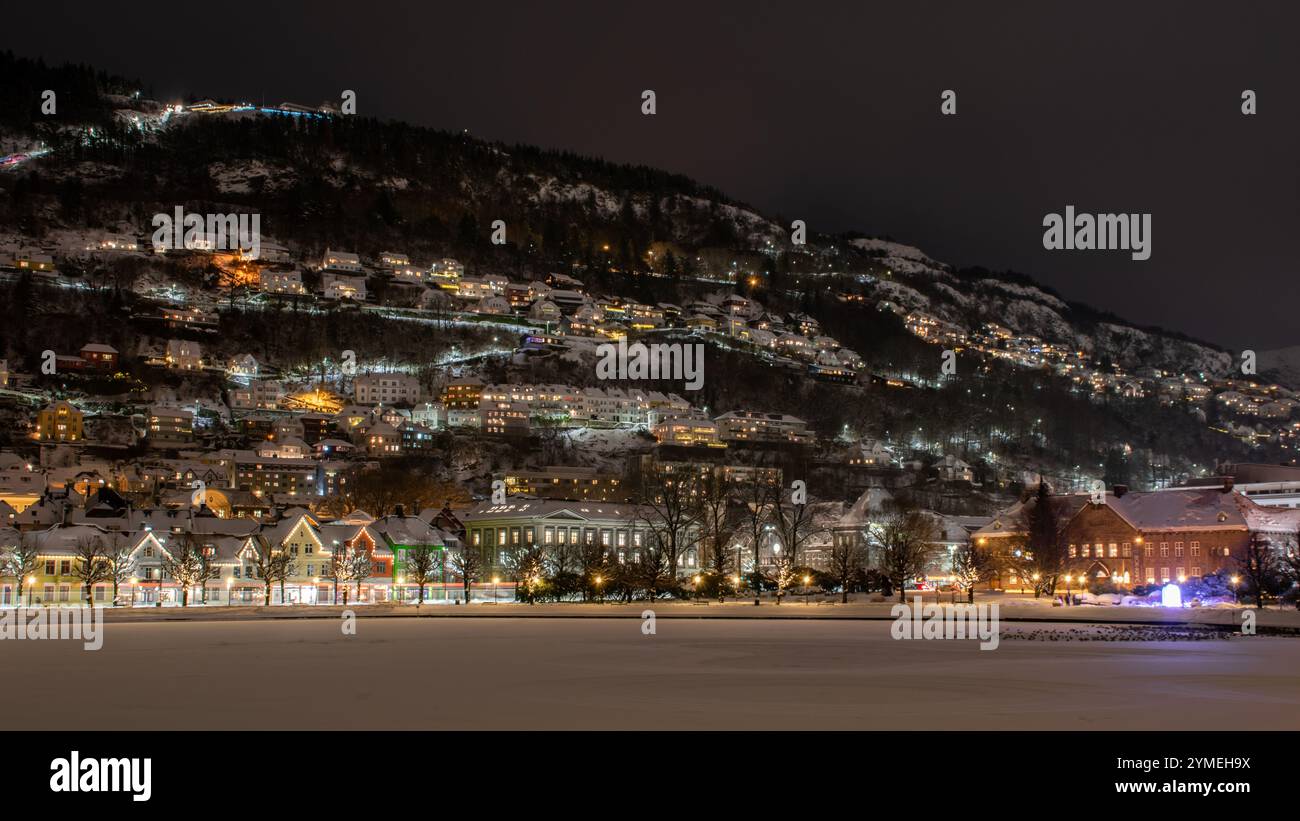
point(1236, 597)
point(31, 583)
point(135, 584)
point(696, 580)
point(600, 594)
point(401, 580)
point(229, 582)
point(495, 579)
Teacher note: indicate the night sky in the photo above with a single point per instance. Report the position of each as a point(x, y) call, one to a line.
point(828, 113)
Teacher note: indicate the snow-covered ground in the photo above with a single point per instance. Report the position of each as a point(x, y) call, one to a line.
point(505, 673)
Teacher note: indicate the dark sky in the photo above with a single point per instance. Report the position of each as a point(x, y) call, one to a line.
point(829, 113)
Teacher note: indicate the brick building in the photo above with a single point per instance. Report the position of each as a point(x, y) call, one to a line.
point(1131, 538)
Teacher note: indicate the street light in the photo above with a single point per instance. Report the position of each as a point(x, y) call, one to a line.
point(229, 582)
point(495, 579)
point(1068, 579)
point(1236, 597)
point(31, 583)
point(806, 580)
point(599, 580)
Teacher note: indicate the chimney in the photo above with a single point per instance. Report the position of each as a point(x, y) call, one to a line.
point(399, 511)
point(1227, 484)
point(1119, 490)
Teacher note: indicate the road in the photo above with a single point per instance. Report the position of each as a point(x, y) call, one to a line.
point(507, 673)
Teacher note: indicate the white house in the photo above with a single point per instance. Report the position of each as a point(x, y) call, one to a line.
point(184, 354)
point(341, 261)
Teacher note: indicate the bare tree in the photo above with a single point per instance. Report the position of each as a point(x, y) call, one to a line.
point(847, 560)
point(89, 565)
point(266, 564)
point(188, 563)
point(120, 556)
point(467, 565)
point(670, 511)
point(336, 569)
point(1260, 565)
point(718, 525)
point(21, 560)
point(759, 496)
point(905, 539)
point(794, 524)
point(282, 568)
point(783, 573)
point(970, 566)
point(420, 565)
point(357, 566)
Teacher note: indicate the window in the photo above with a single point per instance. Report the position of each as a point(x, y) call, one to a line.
point(1114, 550)
point(1073, 551)
point(49, 567)
point(1196, 548)
point(1126, 550)
point(1164, 575)
point(1164, 550)
point(1178, 549)
point(1196, 571)
point(1148, 551)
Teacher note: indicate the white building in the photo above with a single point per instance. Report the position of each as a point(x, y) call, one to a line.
point(341, 261)
point(339, 286)
point(259, 394)
point(184, 354)
point(386, 389)
point(757, 426)
point(281, 282)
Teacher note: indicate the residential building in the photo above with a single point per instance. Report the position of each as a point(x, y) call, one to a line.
point(386, 389)
point(184, 354)
point(59, 422)
point(757, 426)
